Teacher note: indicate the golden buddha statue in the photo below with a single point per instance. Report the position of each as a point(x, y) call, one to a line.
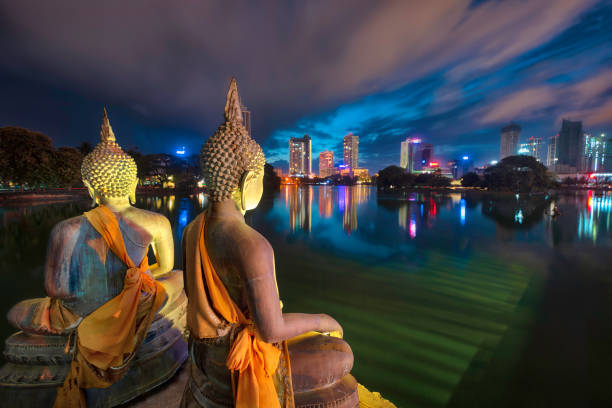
point(111, 325)
point(244, 351)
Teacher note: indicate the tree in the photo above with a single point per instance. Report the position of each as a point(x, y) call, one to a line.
point(67, 166)
point(518, 173)
point(470, 179)
point(271, 181)
point(28, 157)
point(394, 176)
point(432, 180)
point(85, 148)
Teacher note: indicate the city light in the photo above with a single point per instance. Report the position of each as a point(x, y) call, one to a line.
point(434, 164)
point(493, 162)
point(465, 157)
point(181, 151)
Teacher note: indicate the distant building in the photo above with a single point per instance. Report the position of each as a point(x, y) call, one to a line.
point(424, 156)
point(467, 165)
point(594, 153)
point(361, 173)
point(551, 152)
point(326, 164)
point(408, 154)
point(344, 170)
point(570, 145)
point(533, 147)
point(300, 156)
point(246, 118)
point(509, 140)
point(453, 167)
point(607, 160)
point(351, 150)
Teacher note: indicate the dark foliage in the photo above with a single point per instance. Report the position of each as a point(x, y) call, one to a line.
point(271, 181)
point(471, 179)
point(518, 173)
point(394, 177)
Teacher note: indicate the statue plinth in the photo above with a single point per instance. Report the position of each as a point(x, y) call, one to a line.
point(37, 364)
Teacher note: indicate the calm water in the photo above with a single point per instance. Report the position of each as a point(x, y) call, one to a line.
point(446, 299)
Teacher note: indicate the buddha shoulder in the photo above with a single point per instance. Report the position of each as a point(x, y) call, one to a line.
point(154, 222)
point(251, 249)
point(67, 228)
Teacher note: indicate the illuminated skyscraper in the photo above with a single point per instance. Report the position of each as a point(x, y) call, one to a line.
point(246, 118)
point(551, 156)
point(424, 155)
point(594, 153)
point(300, 156)
point(351, 150)
point(509, 140)
point(326, 163)
point(570, 146)
point(607, 159)
point(408, 154)
point(533, 147)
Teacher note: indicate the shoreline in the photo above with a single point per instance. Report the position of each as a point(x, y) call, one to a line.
point(60, 195)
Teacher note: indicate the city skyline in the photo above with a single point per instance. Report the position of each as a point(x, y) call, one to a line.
point(458, 74)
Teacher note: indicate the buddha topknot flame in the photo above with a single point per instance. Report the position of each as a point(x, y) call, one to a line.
point(230, 152)
point(108, 170)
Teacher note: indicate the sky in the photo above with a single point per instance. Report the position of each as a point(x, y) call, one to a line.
point(450, 72)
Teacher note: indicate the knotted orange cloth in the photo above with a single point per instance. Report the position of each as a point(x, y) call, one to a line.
point(108, 337)
point(255, 360)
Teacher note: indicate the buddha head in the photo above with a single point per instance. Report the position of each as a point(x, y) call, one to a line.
point(108, 172)
point(232, 162)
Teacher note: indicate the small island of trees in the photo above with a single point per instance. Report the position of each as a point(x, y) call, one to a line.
point(513, 173)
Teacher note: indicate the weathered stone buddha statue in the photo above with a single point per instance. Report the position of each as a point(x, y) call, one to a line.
point(244, 351)
point(111, 326)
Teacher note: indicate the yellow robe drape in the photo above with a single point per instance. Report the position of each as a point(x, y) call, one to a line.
point(107, 339)
point(253, 359)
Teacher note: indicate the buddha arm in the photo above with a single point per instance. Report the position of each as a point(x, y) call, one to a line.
point(163, 246)
point(49, 315)
point(264, 304)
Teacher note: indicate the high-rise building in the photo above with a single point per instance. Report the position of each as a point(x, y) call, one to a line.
point(454, 166)
point(246, 118)
point(551, 156)
point(351, 150)
point(570, 145)
point(326, 163)
point(424, 155)
point(509, 140)
point(300, 156)
point(607, 160)
point(532, 147)
point(594, 153)
point(408, 156)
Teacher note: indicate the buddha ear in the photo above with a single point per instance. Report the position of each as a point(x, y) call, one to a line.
point(133, 193)
point(92, 193)
point(244, 185)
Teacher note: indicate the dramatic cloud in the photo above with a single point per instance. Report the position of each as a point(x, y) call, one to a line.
point(452, 71)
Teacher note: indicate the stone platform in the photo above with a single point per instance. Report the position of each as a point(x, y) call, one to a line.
point(169, 395)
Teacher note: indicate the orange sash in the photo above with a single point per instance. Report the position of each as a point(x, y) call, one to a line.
point(255, 360)
point(108, 337)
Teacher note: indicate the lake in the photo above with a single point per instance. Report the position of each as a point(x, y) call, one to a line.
point(447, 299)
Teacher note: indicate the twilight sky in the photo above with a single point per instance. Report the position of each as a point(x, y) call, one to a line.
point(451, 72)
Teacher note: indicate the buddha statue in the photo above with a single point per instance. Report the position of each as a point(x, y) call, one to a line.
point(244, 350)
point(111, 326)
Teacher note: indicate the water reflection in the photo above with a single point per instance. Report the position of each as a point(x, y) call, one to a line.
point(299, 201)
